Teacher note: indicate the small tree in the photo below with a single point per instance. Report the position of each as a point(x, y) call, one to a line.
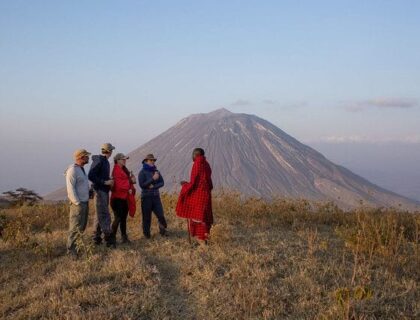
point(22, 196)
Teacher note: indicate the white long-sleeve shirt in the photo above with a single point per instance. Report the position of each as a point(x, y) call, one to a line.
point(77, 184)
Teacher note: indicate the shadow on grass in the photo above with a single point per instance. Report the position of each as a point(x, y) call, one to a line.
point(178, 302)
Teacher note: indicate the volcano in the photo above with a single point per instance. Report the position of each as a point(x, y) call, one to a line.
point(255, 158)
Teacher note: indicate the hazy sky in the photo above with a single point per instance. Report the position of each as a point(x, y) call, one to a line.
point(78, 73)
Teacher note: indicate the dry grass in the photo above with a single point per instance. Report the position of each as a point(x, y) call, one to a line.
point(266, 260)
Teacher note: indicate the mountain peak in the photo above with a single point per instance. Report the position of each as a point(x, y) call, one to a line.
point(222, 112)
point(212, 115)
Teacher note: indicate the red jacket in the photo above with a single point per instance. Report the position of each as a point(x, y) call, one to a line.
point(121, 188)
point(121, 183)
point(195, 199)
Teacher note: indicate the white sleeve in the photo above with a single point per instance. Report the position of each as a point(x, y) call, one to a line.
point(71, 186)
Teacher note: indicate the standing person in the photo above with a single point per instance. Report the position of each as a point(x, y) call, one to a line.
point(77, 184)
point(102, 183)
point(194, 201)
point(150, 181)
point(120, 195)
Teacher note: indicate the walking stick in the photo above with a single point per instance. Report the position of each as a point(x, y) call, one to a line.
point(188, 220)
point(189, 233)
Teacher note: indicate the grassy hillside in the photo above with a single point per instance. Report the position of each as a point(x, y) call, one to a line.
point(279, 260)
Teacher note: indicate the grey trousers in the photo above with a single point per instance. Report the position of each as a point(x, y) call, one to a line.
point(77, 224)
point(103, 217)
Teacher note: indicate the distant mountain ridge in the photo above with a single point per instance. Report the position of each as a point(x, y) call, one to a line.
point(252, 156)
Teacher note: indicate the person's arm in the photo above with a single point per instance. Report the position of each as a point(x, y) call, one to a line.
point(143, 181)
point(159, 183)
point(94, 173)
point(71, 180)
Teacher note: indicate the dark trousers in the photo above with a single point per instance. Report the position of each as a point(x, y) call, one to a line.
point(148, 205)
point(120, 208)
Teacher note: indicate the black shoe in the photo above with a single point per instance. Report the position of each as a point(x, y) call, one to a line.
point(97, 242)
point(163, 232)
point(111, 244)
point(111, 241)
point(72, 254)
point(147, 236)
point(125, 240)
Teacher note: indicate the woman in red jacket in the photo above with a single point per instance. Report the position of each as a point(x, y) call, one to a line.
point(122, 194)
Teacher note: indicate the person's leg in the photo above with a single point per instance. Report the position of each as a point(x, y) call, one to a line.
point(104, 217)
point(85, 216)
point(75, 224)
point(146, 211)
point(158, 210)
point(123, 225)
point(199, 230)
point(117, 216)
point(97, 232)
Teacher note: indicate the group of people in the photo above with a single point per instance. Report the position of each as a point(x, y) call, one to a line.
point(117, 189)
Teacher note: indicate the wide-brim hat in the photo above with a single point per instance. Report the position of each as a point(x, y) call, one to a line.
point(150, 156)
point(120, 156)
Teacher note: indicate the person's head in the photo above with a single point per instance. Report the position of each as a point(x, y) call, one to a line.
point(120, 159)
point(197, 152)
point(81, 157)
point(150, 160)
point(106, 150)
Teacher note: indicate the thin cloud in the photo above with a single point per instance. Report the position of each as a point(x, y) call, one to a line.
point(382, 103)
point(413, 139)
point(241, 103)
point(292, 105)
point(270, 102)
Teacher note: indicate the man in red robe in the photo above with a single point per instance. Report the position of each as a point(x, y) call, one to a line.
point(194, 202)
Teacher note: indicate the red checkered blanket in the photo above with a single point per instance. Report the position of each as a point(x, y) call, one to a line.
point(195, 198)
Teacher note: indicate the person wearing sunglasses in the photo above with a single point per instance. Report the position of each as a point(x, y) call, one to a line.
point(77, 184)
point(120, 195)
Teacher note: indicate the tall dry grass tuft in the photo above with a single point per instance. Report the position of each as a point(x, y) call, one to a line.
point(277, 259)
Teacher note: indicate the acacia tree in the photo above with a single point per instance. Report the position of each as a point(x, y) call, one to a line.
point(22, 196)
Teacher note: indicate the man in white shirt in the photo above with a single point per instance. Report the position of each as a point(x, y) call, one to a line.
point(77, 184)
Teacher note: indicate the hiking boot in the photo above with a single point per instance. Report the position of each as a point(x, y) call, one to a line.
point(125, 240)
point(111, 241)
point(163, 232)
point(72, 254)
point(97, 241)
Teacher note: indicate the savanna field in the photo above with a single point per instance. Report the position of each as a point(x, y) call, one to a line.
point(284, 259)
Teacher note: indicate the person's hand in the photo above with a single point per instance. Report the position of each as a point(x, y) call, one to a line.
point(109, 183)
point(156, 176)
point(130, 191)
point(183, 182)
point(133, 180)
point(151, 186)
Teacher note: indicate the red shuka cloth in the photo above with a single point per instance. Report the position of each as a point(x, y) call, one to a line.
point(200, 230)
point(195, 198)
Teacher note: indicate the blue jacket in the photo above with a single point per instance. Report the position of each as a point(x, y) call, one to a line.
point(99, 173)
point(146, 180)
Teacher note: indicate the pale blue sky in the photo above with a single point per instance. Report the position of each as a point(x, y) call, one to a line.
point(77, 73)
